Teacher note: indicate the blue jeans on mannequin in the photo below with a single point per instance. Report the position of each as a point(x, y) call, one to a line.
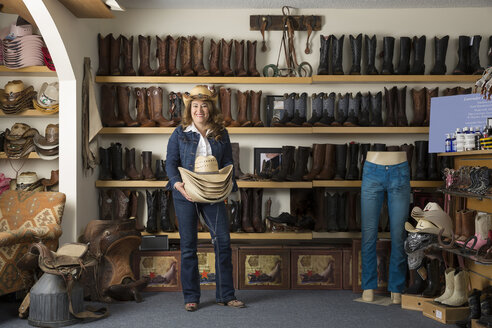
point(216, 219)
point(395, 180)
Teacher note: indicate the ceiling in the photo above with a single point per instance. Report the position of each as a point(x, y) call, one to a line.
point(336, 4)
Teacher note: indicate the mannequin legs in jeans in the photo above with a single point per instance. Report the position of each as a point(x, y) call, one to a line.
point(395, 180)
point(216, 219)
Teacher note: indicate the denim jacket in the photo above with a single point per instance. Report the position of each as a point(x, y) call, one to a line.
point(181, 152)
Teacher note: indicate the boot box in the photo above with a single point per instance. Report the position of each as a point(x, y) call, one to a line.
point(445, 314)
point(206, 267)
point(316, 268)
point(383, 251)
point(475, 324)
point(264, 268)
point(161, 268)
point(413, 302)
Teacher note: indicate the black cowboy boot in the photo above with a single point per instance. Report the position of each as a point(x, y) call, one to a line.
point(356, 46)
point(342, 109)
point(353, 160)
point(234, 216)
point(378, 147)
point(331, 205)
point(404, 63)
point(105, 164)
point(377, 109)
point(421, 148)
point(463, 55)
point(401, 111)
point(408, 149)
point(105, 205)
point(246, 209)
point(328, 110)
point(417, 285)
point(475, 67)
point(316, 109)
point(341, 161)
point(475, 311)
point(390, 100)
point(117, 162)
point(388, 49)
point(365, 110)
point(288, 112)
point(433, 279)
point(324, 52)
point(300, 107)
point(337, 55)
point(364, 148)
point(418, 66)
point(440, 49)
point(151, 211)
point(300, 170)
point(342, 221)
point(160, 170)
point(163, 201)
point(353, 110)
point(432, 172)
point(287, 164)
point(370, 54)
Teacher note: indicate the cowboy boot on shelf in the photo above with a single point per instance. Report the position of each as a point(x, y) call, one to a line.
point(108, 97)
point(393, 148)
point(440, 49)
point(124, 106)
point(121, 205)
point(404, 63)
point(234, 216)
point(432, 172)
point(356, 46)
point(431, 93)
point(162, 56)
point(463, 55)
point(419, 106)
point(324, 55)
point(225, 105)
point(287, 163)
point(364, 148)
point(377, 109)
point(316, 109)
point(175, 106)
point(341, 161)
point(104, 45)
point(328, 116)
point(370, 54)
point(154, 102)
point(342, 221)
point(460, 292)
point(160, 170)
point(337, 55)
point(388, 49)
point(225, 60)
point(163, 205)
point(342, 109)
point(475, 310)
point(114, 61)
point(408, 149)
point(144, 53)
point(246, 203)
point(458, 219)
point(147, 165)
point(318, 158)
point(448, 291)
point(238, 174)
point(433, 279)
point(288, 112)
point(467, 224)
point(463, 91)
point(301, 161)
point(141, 105)
point(105, 205)
point(134, 196)
point(255, 108)
point(474, 67)
point(353, 110)
point(331, 204)
point(319, 209)
point(421, 156)
point(127, 54)
point(450, 91)
point(401, 111)
point(418, 65)
point(390, 100)
point(185, 56)
point(173, 55)
point(351, 211)
point(256, 219)
point(417, 284)
point(365, 110)
point(300, 108)
point(353, 160)
point(328, 170)
point(214, 56)
point(239, 58)
point(151, 226)
point(130, 168)
point(197, 56)
point(378, 147)
point(105, 164)
point(251, 62)
point(117, 162)
point(242, 108)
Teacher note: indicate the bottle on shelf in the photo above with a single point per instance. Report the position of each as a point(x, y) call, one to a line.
point(448, 144)
point(469, 138)
point(453, 143)
point(478, 135)
point(460, 140)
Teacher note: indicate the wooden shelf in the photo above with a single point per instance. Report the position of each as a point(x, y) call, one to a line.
point(87, 8)
point(137, 130)
point(369, 130)
point(246, 236)
point(270, 130)
point(358, 183)
point(467, 153)
point(130, 184)
point(31, 69)
point(394, 78)
point(347, 235)
point(272, 184)
point(203, 80)
point(29, 113)
point(32, 155)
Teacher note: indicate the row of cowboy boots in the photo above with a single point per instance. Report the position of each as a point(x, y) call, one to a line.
point(250, 211)
point(425, 280)
point(148, 103)
point(111, 165)
point(245, 100)
point(335, 211)
point(118, 204)
point(111, 50)
point(480, 303)
point(158, 217)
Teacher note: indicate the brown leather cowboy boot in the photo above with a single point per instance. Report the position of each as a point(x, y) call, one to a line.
point(328, 170)
point(104, 44)
point(256, 209)
point(246, 203)
point(154, 101)
point(134, 195)
point(175, 106)
point(185, 56)
point(318, 160)
point(214, 58)
point(124, 106)
point(463, 91)
point(108, 97)
point(130, 168)
point(390, 99)
point(127, 53)
point(114, 60)
point(401, 113)
point(450, 92)
point(419, 106)
point(197, 56)
point(173, 55)
point(467, 224)
point(252, 71)
point(242, 104)
point(431, 93)
point(105, 210)
point(225, 61)
point(144, 52)
point(141, 105)
point(255, 108)
point(161, 54)
point(225, 105)
point(121, 208)
point(147, 172)
point(239, 58)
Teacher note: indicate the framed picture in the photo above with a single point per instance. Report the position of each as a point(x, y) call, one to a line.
point(264, 268)
point(160, 267)
point(274, 109)
point(383, 251)
point(316, 269)
point(206, 267)
point(267, 161)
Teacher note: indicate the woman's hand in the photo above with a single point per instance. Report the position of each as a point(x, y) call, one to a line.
point(179, 186)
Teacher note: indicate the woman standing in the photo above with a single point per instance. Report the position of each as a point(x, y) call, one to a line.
point(199, 143)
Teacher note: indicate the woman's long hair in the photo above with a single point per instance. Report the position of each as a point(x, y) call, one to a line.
point(215, 120)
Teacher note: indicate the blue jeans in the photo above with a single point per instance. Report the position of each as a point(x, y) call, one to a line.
point(216, 219)
point(395, 180)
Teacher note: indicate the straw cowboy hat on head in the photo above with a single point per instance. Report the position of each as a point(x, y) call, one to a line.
point(201, 92)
